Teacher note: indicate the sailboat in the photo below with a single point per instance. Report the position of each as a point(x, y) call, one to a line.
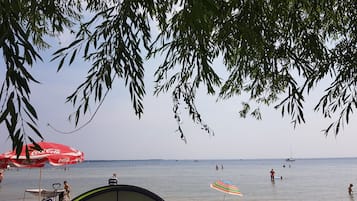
point(290, 159)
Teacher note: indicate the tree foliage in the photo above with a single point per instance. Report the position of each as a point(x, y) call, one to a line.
point(277, 52)
point(23, 28)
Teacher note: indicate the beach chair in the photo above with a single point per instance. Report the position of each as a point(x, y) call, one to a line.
point(113, 181)
point(46, 194)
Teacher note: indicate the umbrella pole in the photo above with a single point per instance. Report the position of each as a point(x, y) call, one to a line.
point(39, 185)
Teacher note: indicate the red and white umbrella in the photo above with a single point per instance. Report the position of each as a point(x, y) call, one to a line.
point(52, 153)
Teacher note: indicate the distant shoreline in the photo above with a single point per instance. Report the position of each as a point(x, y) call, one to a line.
point(246, 159)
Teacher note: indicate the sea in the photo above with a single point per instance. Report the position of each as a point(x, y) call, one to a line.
point(324, 179)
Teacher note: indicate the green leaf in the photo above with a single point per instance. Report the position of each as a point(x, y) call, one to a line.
point(34, 129)
point(29, 107)
point(72, 57)
point(61, 64)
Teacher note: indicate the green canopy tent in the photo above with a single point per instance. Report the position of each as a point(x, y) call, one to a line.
point(118, 192)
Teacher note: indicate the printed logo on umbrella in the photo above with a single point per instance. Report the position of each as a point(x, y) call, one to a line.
point(45, 151)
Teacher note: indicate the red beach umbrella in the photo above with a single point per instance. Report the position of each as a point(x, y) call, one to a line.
point(52, 153)
point(226, 187)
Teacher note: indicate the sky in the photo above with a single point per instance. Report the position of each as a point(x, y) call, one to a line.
point(117, 134)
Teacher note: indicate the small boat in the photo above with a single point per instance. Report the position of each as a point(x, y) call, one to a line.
point(290, 160)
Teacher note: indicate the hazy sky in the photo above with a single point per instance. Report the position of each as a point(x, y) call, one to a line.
point(116, 133)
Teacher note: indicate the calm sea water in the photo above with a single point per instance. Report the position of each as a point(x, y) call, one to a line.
point(188, 180)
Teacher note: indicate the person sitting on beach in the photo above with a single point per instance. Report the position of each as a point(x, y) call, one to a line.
point(1, 175)
point(67, 190)
point(113, 180)
point(350, 189)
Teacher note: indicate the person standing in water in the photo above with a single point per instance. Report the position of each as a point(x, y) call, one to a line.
point(350, 191)
point(272, 174)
